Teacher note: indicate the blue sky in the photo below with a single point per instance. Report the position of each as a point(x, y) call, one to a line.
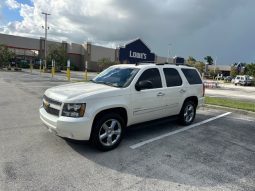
point(10, 15)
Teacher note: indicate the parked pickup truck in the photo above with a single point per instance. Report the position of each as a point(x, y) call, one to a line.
point(120, 96)
point(242, 80)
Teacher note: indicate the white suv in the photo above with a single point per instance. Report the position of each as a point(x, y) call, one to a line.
point(120, 96)
point(242, 80)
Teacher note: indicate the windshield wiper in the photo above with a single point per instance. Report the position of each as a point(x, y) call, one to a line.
point(105, 83)
point(93, 81)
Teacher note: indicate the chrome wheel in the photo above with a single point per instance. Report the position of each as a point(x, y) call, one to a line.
point(189, 113)
point(110, 132)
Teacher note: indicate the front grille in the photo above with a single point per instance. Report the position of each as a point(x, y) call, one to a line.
point(51, 110)
point(50, 106)
point(51, 100)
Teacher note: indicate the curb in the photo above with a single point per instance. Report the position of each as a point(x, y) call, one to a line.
point(239, 111)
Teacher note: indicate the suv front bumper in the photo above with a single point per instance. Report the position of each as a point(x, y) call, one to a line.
point(72, 128)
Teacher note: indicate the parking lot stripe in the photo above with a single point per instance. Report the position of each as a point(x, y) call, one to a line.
point(135, 146)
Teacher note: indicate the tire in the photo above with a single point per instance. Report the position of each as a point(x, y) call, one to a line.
point(235, 84)
point(188, 113)
point(107, 131)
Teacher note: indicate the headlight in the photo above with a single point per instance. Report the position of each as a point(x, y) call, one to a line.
point(74, 109)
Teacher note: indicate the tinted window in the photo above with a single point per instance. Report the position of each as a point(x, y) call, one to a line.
point(192, 76)
point(153, 76)
point(172, 77)
point(116, 76)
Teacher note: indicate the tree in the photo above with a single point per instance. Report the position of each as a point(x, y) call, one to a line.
point(104, 63)
point(191, 60)
point(209, 60)
point(57, 53)
point(5, 56)
point(233, 71)
point(200, 66)
point(250, 70)
point(214, 72)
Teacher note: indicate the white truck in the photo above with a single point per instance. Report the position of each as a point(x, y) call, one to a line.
point(243, 80)
point(120, 96)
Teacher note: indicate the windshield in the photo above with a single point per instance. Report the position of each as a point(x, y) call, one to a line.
point(116, 76)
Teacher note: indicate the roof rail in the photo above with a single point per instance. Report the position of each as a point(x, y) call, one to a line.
point(177, 64)
point(144, 63)
point(163, 63)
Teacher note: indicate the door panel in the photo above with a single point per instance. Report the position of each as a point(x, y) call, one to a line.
point(174, 92)
point(148, 104)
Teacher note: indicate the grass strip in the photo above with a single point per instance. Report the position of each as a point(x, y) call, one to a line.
point(248, 106)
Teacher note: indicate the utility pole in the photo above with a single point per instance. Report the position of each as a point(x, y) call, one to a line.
point(45, 42)
point(215, 64)
point(168, 52)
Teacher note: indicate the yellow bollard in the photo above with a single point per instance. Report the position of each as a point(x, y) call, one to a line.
point(68, 73)
point(54, 71)
point(86, 71)
point(53, 68)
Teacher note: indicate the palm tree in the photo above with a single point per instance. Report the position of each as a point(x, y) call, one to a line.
point(209, 60)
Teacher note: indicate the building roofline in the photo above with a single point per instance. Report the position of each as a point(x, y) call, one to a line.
point(133, 40)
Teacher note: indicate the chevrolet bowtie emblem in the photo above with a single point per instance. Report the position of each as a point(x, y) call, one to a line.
point(47, 104)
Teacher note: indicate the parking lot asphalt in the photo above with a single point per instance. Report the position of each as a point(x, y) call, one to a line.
point(216, 154)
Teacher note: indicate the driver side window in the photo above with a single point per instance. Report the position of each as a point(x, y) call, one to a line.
point(152, 75)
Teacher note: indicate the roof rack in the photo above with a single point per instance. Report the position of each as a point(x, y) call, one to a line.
point(163, 63)
point(144, 63)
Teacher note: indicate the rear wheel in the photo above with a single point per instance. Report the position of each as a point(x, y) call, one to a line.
point(107, 132)
point(188, 113)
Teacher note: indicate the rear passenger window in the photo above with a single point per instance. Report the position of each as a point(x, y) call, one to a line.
point(173, 77)
point(192, 76)
point(153, 76)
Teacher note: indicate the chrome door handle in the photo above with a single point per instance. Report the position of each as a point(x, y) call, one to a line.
point(160, 94)
point(182, 91)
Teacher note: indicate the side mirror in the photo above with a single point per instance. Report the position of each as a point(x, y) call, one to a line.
point(146, 84)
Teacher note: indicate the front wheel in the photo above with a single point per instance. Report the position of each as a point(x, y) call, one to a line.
point(188, 113)
point(107, 132)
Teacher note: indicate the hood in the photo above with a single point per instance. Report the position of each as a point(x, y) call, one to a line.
point(74, 90)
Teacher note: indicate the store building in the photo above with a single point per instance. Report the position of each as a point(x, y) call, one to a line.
point(79, 54)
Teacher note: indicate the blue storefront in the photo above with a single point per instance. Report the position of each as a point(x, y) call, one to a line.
point(134, 52)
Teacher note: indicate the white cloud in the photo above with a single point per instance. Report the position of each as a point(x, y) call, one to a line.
point(194, 27)
point(12, 4)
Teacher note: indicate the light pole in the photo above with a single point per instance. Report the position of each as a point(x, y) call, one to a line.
point(215, 64)
point(45, 42)
point(168, 52)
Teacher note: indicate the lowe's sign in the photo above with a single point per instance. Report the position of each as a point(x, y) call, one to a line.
point(134, 52)
point(137, 55)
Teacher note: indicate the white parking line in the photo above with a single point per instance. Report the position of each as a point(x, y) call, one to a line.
point(135, 146)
